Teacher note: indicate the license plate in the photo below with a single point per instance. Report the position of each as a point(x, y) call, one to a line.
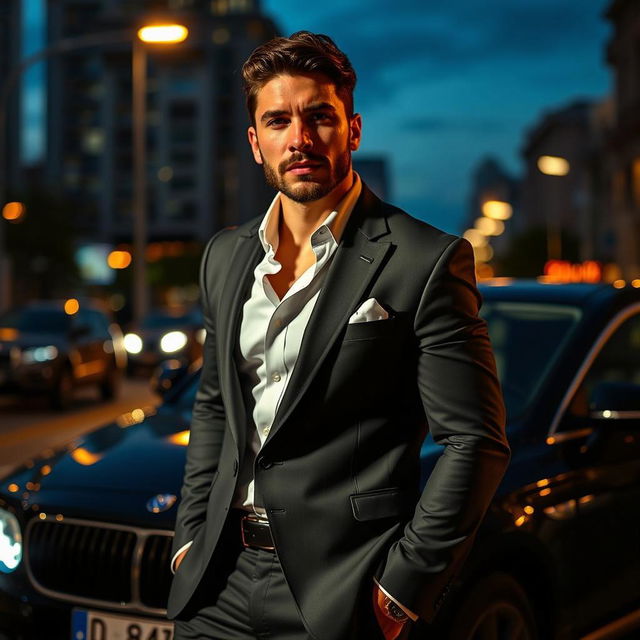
point(96, 625)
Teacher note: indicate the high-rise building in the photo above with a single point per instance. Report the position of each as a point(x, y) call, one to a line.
point(10, 48)
point(624, 140)
point(201, 175)
point(557, 186)
point(491, 182)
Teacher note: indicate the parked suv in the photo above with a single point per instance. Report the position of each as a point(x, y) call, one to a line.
point(52, 347)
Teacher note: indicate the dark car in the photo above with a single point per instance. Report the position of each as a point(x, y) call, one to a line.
point(87, 532)
point(53, 347)
point(165, 334)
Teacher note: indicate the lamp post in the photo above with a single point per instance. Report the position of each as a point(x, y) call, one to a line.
point(152, 34)
point(157, 34)
point(556, 166)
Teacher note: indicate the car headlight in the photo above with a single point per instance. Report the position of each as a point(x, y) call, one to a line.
point(10, 542)
point(39, 354)
point(201, 336)
point(133, 343)
point(173, 341)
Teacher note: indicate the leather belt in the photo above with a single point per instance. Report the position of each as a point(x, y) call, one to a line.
point(256, 533)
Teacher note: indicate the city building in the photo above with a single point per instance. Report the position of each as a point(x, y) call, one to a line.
point(623, 55)
point(557, 186)
point(374, 171)
point(200, 173)
point(10, 54)
point(492, 183)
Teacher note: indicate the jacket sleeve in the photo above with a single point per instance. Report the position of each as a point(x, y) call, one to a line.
point(207, 422)
point(463, 403)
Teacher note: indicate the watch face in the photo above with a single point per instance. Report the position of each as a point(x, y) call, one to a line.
point(395, 611)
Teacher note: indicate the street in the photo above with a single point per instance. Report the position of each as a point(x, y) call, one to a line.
point(28, 426)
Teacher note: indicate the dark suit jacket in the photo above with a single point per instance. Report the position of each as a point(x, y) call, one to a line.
point(339, 471)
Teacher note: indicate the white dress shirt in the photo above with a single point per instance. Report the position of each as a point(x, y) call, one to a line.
point(272, 330)
point(271, 333)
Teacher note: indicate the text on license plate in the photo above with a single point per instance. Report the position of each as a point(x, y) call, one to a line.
point(96, 625)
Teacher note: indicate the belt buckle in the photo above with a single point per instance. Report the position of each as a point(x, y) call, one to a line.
point(251, 518)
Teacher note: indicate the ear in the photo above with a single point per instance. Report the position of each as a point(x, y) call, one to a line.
point(355, 131)
point(255, 147)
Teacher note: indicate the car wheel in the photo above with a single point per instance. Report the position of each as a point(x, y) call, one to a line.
point(494, 608)
point(110, 386)
point(62, 394)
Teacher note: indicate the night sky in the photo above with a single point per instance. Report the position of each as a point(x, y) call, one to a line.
point(443, 83)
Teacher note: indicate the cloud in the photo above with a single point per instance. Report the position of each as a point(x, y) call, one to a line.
point(432, 39)
point(435, 124)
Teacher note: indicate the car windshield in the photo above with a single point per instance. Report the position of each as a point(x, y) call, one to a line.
point(527, 339)
point(162, 320)
point(36, 320)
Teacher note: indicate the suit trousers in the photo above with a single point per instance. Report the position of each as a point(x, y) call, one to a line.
point(244, 596)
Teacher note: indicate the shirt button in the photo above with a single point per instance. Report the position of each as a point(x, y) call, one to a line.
point(265, 431)
point(276, 377)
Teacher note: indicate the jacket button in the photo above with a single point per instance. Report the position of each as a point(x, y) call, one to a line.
point(264, 463)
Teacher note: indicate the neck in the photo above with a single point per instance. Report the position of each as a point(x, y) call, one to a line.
point(299, 220)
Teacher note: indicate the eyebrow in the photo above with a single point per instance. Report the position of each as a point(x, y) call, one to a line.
point(315, 106)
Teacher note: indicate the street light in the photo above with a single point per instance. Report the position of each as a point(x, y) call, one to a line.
point(161, 34)
point(154, 34)
point(553, 166)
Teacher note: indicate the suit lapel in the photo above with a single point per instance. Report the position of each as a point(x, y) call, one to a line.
point(356, 261)
point(246, 256)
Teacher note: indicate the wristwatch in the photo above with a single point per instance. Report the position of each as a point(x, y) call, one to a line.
point(393, 611)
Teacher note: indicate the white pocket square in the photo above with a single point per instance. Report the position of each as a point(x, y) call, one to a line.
point(369, 311)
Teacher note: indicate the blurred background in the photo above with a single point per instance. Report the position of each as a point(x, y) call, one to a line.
point(515, 124)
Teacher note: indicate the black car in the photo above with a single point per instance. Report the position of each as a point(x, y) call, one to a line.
point(165, 334)
point(53, 347)
point(87, 532)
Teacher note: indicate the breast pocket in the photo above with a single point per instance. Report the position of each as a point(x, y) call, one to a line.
point(374, 330)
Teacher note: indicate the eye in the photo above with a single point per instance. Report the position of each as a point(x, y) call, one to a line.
point(320, 116)
point(277, 122)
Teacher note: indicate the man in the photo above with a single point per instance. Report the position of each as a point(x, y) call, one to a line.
point(338, 330)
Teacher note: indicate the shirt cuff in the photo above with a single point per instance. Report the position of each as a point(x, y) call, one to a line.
point(178, 552)
point(412, 616)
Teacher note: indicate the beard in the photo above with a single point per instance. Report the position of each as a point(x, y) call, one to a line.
point(307, 188)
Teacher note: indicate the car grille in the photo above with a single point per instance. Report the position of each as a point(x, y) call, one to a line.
point(100, 563)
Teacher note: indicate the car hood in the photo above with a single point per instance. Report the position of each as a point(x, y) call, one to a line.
point(141, 451)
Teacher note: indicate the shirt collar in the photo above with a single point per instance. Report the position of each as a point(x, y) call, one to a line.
point(335, 222)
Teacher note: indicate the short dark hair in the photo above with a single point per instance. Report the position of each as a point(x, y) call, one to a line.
point(302, 52)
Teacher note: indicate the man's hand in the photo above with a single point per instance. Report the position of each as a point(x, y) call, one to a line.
point(390, 628)
point(181, 557)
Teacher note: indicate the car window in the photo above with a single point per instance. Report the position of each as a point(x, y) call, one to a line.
point(617, 361)
point(527, 339)
point(36, 320)
point(162, 320)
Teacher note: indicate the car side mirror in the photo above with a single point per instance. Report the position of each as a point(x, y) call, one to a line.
point(166, 375)
point(615, 400)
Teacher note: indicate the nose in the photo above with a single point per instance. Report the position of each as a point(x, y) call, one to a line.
point(300, 139)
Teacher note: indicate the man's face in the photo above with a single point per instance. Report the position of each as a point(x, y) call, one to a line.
point(302, 136)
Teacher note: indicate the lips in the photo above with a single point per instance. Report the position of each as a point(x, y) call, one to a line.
point(304, 166)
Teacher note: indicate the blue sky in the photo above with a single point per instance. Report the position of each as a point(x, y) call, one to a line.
point(441, 83)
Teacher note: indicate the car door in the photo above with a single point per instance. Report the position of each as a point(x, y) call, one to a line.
point(87, 362)
point(602, 540)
